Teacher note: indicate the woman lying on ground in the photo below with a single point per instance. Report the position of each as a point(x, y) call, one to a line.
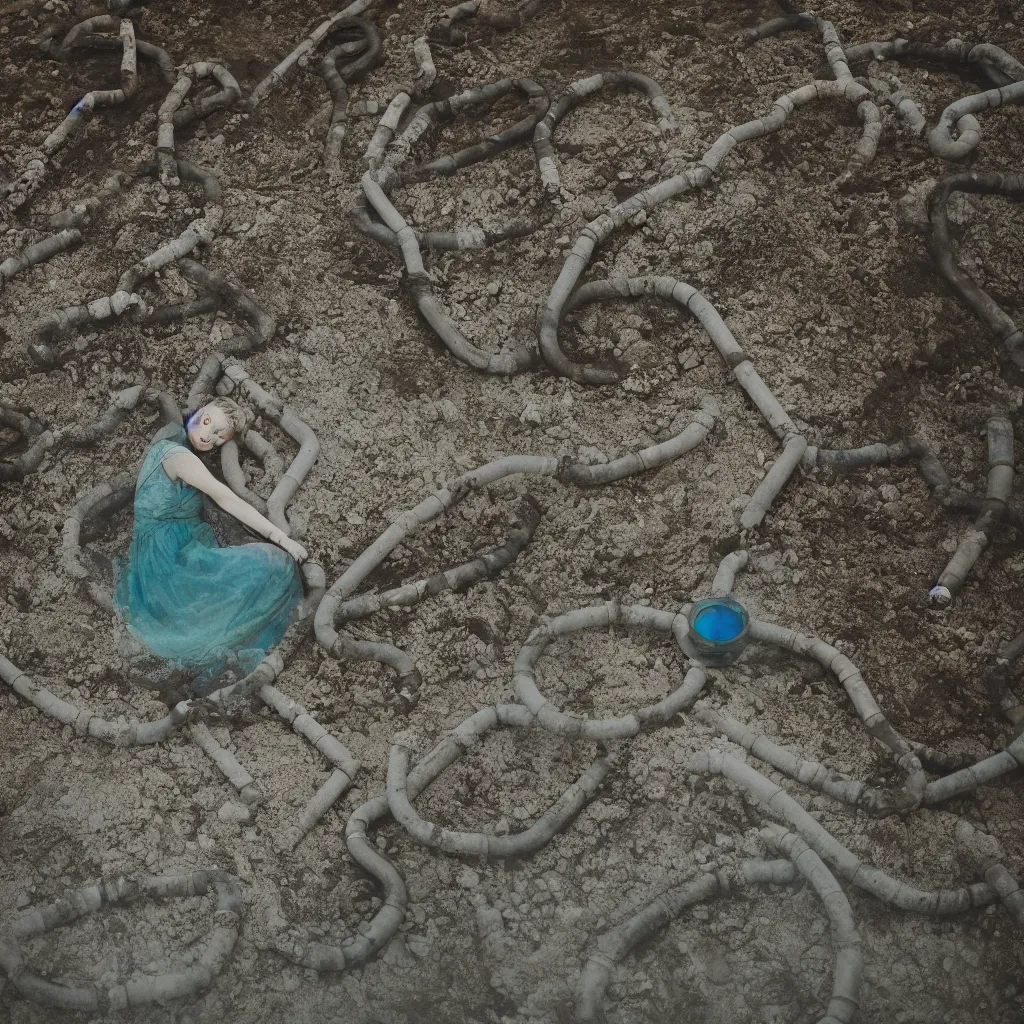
point(185, 598)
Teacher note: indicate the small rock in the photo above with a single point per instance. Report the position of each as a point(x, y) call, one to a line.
point(493, 287)
point(448, 410)
point(976, 849)
point(531, 415)
point(234, 813)
point(689, 359)
point(489, 921)
point(468, 878)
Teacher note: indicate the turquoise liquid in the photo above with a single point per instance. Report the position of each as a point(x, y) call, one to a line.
point(719, 623)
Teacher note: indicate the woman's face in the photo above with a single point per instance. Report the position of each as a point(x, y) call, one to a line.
point(208, 428)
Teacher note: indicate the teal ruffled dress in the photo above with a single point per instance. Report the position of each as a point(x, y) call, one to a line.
point(185, 598)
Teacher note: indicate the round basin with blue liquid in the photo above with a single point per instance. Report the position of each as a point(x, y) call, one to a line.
point(718, 630)
point(720, 622)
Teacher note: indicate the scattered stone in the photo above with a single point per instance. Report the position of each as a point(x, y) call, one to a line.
point(234, 813)
point(448, 410)
point(689, 359)
point(468, 878)
point(531, 415)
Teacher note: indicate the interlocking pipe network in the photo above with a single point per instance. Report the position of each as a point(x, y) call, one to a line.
point(354, 47)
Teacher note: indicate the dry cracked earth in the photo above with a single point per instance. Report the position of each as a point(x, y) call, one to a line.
point(834, 295)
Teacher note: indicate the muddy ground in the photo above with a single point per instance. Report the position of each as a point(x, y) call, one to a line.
point(834, 296)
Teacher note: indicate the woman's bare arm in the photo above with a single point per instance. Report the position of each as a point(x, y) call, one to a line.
point(188, 467)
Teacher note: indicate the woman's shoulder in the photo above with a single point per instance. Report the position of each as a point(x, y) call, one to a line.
point(168, 441)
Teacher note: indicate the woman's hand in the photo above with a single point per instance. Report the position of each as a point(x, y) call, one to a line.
point(296, 550)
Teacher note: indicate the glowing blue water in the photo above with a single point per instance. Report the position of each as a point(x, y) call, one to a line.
point(719, 623)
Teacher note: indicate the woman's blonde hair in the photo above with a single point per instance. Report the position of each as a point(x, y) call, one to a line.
point(236, 415)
